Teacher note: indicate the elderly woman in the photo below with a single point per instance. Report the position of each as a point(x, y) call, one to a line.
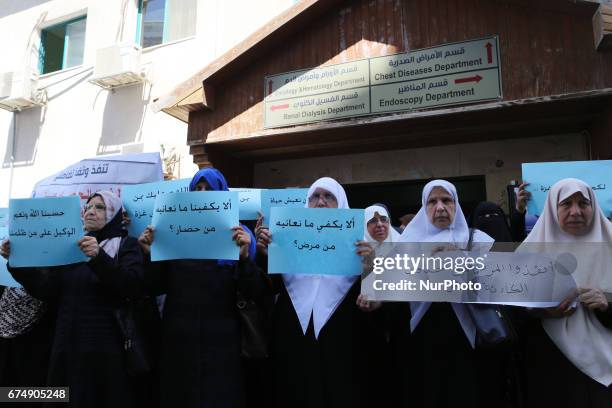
point(569, 348)
point(200, 352)
point(378, 226)
point(87, 353)
point(442, 363)
point(319, 355)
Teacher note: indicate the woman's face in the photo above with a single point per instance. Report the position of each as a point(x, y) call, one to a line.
point(440, 207)
point(202, 185)
point(575, 214)
point(322, 198)
point(378, 227)
point(95, 214)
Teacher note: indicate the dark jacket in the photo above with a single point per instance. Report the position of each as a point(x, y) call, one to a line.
point(87, 353)
point(200, 361)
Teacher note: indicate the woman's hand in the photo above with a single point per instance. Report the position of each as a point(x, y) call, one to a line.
point(367, 305)
point(5, 249)
point(89, 246)
point(593, 298)
point(366, 251)
point(146, 239)
point(564, 309)
point(243, 240)
point(263, 236)
point(522, 196)
point(125, 218)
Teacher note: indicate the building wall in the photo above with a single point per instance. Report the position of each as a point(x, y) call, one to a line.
point(82, 120)
point(546, 48)
point(426, 163)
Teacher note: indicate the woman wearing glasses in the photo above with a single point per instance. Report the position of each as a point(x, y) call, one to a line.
point(320, 344)
point(87, 353)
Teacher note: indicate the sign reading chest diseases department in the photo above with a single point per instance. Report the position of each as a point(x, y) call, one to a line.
point(449, 74)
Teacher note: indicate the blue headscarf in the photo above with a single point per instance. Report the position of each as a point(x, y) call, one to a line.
point(216, 181)
point(212, 176)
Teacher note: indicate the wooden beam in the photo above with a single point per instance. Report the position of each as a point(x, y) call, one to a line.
point(300, 130)
point(602, 28)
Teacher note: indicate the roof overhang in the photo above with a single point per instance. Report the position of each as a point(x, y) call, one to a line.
point(198, 92)
point(559, 114)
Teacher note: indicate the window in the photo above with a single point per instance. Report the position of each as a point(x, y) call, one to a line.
point(161, 21)
point(62, 45)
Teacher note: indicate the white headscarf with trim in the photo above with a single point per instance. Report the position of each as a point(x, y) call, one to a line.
point(319, 295)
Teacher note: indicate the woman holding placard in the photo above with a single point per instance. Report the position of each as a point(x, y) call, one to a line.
point(320, 337)
point(88, 350)
point(569, 347)
point(201, 343)
point(441, 355)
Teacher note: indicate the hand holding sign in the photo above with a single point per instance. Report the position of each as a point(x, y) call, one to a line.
point(194, 225)
point(316, 241)
point(45, 231)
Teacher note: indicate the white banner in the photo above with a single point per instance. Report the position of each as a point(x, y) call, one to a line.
point(101, 173)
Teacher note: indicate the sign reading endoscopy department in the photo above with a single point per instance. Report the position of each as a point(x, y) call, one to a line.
point(450, 74)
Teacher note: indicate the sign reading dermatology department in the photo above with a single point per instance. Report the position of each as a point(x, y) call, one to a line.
point(45, 231)
point(449, 74)
point(195, 225)
point(315, 241)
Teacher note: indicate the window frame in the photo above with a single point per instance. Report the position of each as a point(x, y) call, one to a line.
point(42, 51)
point(139, 27)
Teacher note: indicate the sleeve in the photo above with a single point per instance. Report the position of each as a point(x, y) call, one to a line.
point(155, 276)
point(253, 282)
point(517, 225)
point(605, 318)
point(41, 283)
point(275, 280)
point(123, 276)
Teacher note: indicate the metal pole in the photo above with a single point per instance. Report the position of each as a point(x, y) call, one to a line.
point(10, 192)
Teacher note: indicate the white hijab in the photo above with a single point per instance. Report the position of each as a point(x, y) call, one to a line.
point(421, 229)
point(319, 295)
point(580, 337)
point(392, 236)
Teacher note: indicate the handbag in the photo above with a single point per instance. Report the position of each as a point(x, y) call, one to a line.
point(136, 319)
point(254, 344)
point(493, 325)
point(138, 348)
point(19, 312)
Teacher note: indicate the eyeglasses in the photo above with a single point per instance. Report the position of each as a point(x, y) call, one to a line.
point(98, 207)
point(327, 197)
point(382, 219)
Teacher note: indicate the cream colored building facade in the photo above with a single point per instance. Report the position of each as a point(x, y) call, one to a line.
point(71, 117)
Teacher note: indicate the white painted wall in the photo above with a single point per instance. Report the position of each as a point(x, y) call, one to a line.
point(469, 159)
point(82, 120)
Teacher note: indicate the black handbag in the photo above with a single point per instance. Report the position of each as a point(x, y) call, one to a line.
point(137, 320)
point(137, 350)
point(493, 325)
point(254, 343)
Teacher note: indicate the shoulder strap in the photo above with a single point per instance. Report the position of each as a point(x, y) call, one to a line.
point(470, 240)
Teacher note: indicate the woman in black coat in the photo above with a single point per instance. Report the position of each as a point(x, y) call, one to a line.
point(200, 353)
point(87, 353)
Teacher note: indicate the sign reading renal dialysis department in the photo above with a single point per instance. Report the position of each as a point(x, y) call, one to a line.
point(449, 74)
